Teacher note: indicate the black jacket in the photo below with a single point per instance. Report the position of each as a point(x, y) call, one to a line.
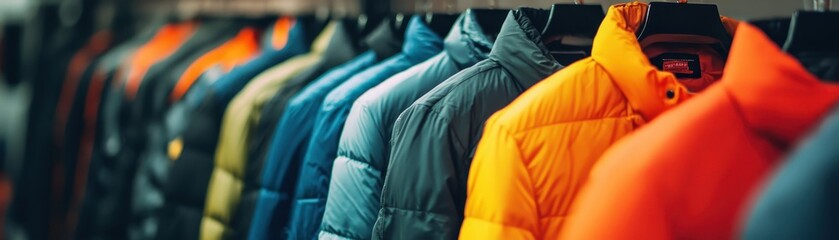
point(433, 141)
point(32, 188)
point(99, 204)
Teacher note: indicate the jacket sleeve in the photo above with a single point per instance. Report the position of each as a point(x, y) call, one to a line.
point(282, 163)
point(227, 181)
point(312, 185)
point(422, 191)
point(355, 187)
point(500, 202)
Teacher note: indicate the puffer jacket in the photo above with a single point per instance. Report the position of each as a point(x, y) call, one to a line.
point(693, 171)
point(192, 151)
point(293, 128)
point(364, 144)
point(292, 131)
point(239, 122)
point(343, 47)
point(536, 153)
point(425, 186)
point(421, 43)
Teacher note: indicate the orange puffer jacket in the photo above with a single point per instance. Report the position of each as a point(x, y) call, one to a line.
point(536, 153)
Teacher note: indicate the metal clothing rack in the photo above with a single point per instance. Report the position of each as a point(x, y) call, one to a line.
point(333, 7)
point(263, 7)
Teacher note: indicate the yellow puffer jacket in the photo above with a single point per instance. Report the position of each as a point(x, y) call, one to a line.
point(536, 153)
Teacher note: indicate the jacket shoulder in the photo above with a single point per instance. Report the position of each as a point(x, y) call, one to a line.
point(462, 82)
point(556, 100)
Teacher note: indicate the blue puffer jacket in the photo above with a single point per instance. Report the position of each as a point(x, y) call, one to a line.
point(288, 143)
point(291, 135)
point(309, 199)
point(357, 175)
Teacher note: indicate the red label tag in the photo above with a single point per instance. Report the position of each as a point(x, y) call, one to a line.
point(676, 66)
point(683, 65)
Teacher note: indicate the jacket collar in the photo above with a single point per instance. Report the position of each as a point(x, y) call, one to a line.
point(384, 41)
point(277, 35)
point(616, 48)
point(321, 42)
point(341, 46)
point(520, 50)
point(420, 41)
point(777, 97)
point(466, 43)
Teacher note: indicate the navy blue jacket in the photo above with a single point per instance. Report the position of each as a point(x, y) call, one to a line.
point(289, 138)
point(309, 199)
point(294, 127)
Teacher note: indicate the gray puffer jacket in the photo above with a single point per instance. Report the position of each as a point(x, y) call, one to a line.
point(357, 175)
point(433, 141)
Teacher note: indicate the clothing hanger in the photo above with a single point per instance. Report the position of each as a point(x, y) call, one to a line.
point(362, 25)
point(386, 38)
point(400, 22)
point(491, 17)
point(684, 23)
point(813, 41)
point(574, 20)
point(570, 29)
point(776, 28)
point(814, 31)
point(315, 20)
point(490, 20)
point(440, 23)
point(366, 23)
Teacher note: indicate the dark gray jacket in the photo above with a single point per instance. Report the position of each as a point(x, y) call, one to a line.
point(433, 141)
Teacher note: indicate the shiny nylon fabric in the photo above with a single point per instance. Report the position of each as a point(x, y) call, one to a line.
point(668, 174)
point(294, 129)
point(535, 154)
point(327, 124)
point(425, 185)
point(355, 186)
point(309, 199)
point(291, 134)
point(343, 47)
point(240, 118)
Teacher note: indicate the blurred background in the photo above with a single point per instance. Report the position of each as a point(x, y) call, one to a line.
point(37, 35)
